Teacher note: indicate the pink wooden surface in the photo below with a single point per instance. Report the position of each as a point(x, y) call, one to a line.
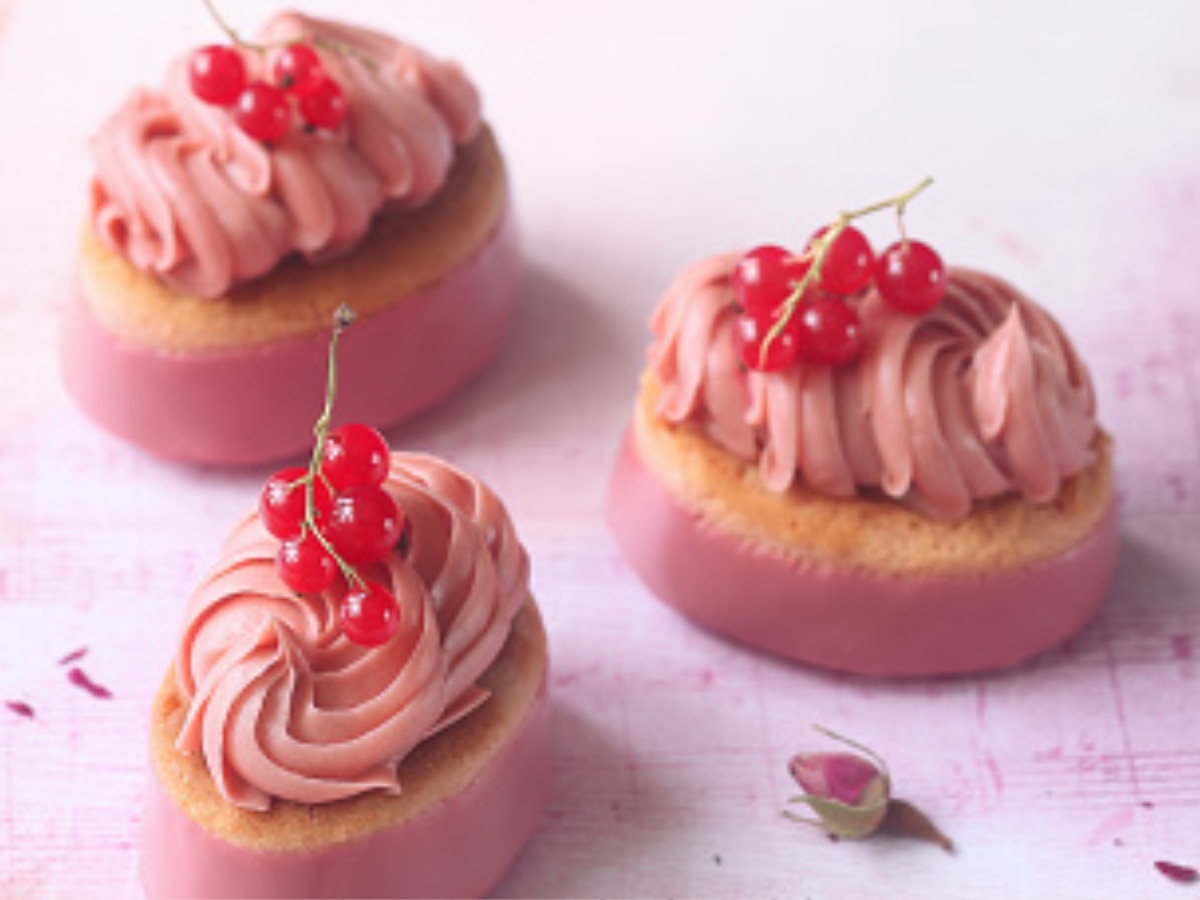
point(1066, 143)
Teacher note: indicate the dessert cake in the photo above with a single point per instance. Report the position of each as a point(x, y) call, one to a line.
point(880, 466)
point(357, 705)
point(289, 760)
point(262, 186)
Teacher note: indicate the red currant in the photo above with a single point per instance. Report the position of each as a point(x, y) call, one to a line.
point(355, 454)
point(364, 524)
point(370, 615)
point(323, 105)
point(910, 276)
point(750, 336)
point(262, 112)
point(764, 278)
point(846, 268)
point(281, 503)
point(296, 68)
point(217, 74)
point(304, 565)
point(829, 331)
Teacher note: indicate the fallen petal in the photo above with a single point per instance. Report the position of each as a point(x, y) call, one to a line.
point(905, 820)
point(80, 679)
point(1177, 872)
point(21, 708)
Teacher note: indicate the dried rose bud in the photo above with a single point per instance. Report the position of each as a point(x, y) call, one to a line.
point(852, 796)
point(849, 793)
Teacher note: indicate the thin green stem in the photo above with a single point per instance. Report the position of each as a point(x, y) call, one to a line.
point(862, 748)
point(338, 48)
point(899, 201)
point(341, 48)
point(229, 30)
point(343, 317)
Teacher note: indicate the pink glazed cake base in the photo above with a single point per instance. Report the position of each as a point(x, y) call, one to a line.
point(849, 621)
point(459, 848)
point(259, 404)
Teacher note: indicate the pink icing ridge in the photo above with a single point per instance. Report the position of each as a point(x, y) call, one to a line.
point(281, 704)
point(851, 621)
point(259, 404)
point(182, 192)
point(459, 848)
point(981, 396)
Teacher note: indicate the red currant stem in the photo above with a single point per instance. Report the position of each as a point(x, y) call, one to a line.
point(230, 31)
point(342, 319)
point(821, 251)
point(336, 47)
point(340, 48)
point(898, 202)
point(903, 203)
point(348, 571)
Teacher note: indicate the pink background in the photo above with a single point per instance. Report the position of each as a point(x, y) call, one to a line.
point(1065, 139)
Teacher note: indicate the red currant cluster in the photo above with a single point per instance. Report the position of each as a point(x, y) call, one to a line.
point(263, 109)
point(792, 306)
point(333, 517)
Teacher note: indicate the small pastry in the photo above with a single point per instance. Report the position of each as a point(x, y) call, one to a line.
point(873, 465)
point(357, 706)
point(264, 185)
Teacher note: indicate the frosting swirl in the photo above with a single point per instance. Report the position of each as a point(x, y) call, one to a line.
point(281, 704)
point(183, 193)
point(981, 396)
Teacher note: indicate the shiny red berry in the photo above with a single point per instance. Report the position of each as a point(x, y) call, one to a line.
point(829, 331)
point(217, 74)
point(323, 105)
point(750, 336)
point(846, 268)
point(281, 503)
point(364, 524)
point(910, 276)
point(764, 278)
point(304, 565)
point(370, 615)
point(262, 112)
point(296, 68)
point(355, 454)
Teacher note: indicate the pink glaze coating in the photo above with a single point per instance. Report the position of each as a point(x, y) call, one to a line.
point(844, 620)
point(459, 848)
point(183, 193)
point(259, 404)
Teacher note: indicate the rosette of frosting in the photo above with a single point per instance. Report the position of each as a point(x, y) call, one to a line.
point(182, 192)
point(979, 397)
point(282, 705)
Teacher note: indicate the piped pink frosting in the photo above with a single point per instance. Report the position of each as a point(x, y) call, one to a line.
point(183, 193)
point(281, 704)
point(979, 397)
